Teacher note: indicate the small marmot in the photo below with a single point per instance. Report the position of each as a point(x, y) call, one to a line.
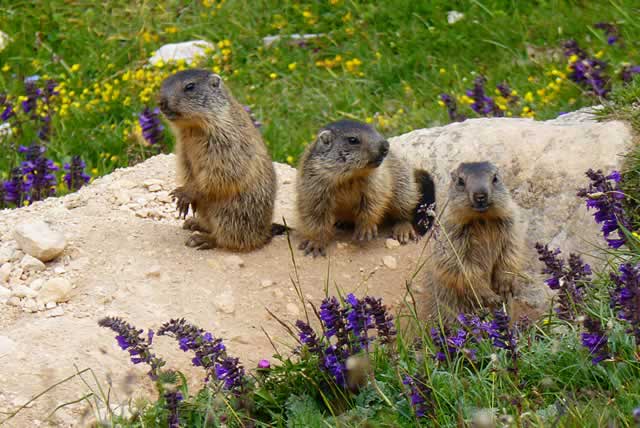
point(348, 175)
point(478, 255)
point(225, 172)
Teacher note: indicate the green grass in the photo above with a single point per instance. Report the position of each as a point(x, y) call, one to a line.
point(408, 56)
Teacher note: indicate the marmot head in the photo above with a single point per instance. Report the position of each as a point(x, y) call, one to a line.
point(193, 95)
point(477, 190)
point(350, 147)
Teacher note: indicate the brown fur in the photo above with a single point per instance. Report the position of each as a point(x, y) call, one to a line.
point(479, 266)
point(224, 169)
point(362, 183)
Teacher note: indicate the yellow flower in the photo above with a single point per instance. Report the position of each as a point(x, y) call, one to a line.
point(290, 159)
point(441, 103)
point(25, 203)
point(160, 64)
point(292, 66)
point(531, 79)
point(6, 68)
point(353, 64)
point(347, 17)
point(307, 14)
point(466, 99)
point(599, 54)
point(114, 158)
point(94, 171)
point(75, 67)
point(378, 55)
point(636, 235)
point(369, 119)
point(273, 76)
point(443, 71)
point(217, 69)
point(540, 92)
point(350, 31)
point(171, 30)
point(528, 97)
point(573, 58)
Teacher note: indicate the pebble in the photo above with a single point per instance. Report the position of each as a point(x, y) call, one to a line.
point(55, 312)
point(5, 272)
point(391, 243)
point(14, 301)
point(23, 291)
point(5, 293)
point(164, 197)
point(7, 346)
point(155, 188)
point(6, 254)
point(37, 239)
point(30, 305)
point(154, 271)
point(152, 182)
point(225, 303)
point(122, 197)
point(59, 270)
point(31, 264)
point(55, 290)
point(390, 262)
point(233, 261)
point(36, 284)
point(266, 283)
point(293, 309)
point(50, 305)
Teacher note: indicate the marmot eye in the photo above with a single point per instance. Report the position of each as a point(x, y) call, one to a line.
point(189, 87)
point(353, 140)
point(460, 182)
point(495, 179)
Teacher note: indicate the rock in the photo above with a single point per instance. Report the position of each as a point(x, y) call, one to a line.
point(148, 183)
point(292, 309)
point(529, 153)
point(6, 254)
point(50, 305)
point(37, 239)
point(7, 346)
point(56, 290)
point(154, 272)
point(5, 272)
point(163, 196)
point(59, 270)
point(30, 305)
point(187, 51)
point(233, 262)
point(391, 243)
point(5, 293)
point(55, 312)
point(122, 197)
point(390, 262)
point(341, 245)
point(225, 303)
point(293, 38)
point(266, 283)
point(14, 301)
point(31, 264)
point(36, 284)
point(155, 188)
point(23, 291)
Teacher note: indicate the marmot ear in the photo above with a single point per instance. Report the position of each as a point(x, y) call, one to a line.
point(215, 80)
point(325, 137)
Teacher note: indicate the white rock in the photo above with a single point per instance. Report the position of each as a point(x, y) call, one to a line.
point(187, 51)
point(36, 284)
point(55, 312)
point(269, 40)
point(37, 239)
point(155, 188)
point(59, 270)
point(55, 290)
point(5, 293)
point(152, 182)
point(17, 255)
point(31, 264)
point(454, 16)
point(154, 271)
point(391, 243)
point(14, 301)
point(390, 262)
point(225, 303)
point(7, 346)
point(23, 291)
point(5, 272)
point(30, 305)
point(6, 253)
point(293, 309)
point(143, 213)
point(163, 196)
point(50, 305)
point(122, 197)
point(233, 261)
point(266, 283)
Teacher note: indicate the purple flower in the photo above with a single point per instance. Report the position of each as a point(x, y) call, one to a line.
point(334, 362)
point(308, 337)
point(383, 321)
point(75, 178)
point(606, 199)
point(420, 395)
point(448, 346)
point(358, 320)
point(231, 372)
point(625, 298)
point(7, 113)
point(636, 414)
point(32, 92)
point(587, 72)
point(595, 340)
point(452, 108)
point(129, 339)
point(17, 189)
point(152, 129)
point(43, 181)
point(610, 30)
point(628, 72)
point(503, 336)
point(264, 364)
point(483, 104)
point(172, 402)
point(331, 315)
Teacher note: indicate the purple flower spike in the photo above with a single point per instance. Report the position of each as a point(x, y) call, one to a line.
point(152, 129)
point(75, 178)
point(595, 340)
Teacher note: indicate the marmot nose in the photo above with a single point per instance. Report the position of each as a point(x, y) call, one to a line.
point(480, 197)
point(384, 148)
point(164, 104)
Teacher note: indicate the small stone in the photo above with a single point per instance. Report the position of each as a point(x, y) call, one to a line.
point(187, 51)
point(164, 196)
point(5, 293)
point(341, 245)
point(39, 240)
point(36, 284)
point(225, 303)
point(6, 254)
point(17, 255)
point(31, 264)
point(122, 197)
point(390, 262)
point(144, 213)
point(50, 305)
point(23, 291)
point(154, 271)
point(5, 272)
point(14, 301)
point(155, 188)
point(152, 182)
point(266, 283)
point(293, 309)
point(59, 270)
point(30, 305)
point(233, 261)
point(55, 290)
point(7, 346)
point(391, 243)
point(55, 312)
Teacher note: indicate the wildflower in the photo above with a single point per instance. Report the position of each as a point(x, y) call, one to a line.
point(587, 72)
point(231, 372)
point(452, 108)
point(31, 98)
point(607, 199)
point(307, 336)
point(636, 414)
point(75, 178)
point(358, 319)
point(625, 298)
point(130, 340)
point(6, 68)
point(595, 339)
point(292, 66)
point(151, 127)
point(273, 76)
point(568, 280)
point(383, 321)
point(264, 364)
point(75, 67)
point(610, 30)
point(334, 362)
point(503, 336)
point(505, 91)
point(420, 394)
point(7, 112)
point(628, 73)
point(331, 316)
point(17, 189)
point(172, 401)
point(43, 181)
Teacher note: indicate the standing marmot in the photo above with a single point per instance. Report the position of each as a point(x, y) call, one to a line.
point(478, 255)
point(224, 170)
point(348, 175)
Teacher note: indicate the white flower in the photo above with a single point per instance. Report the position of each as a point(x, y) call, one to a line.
point(454, 16)
point(4, 40)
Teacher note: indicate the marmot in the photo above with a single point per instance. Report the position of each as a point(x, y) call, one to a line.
point(348, 175)
point(225, 172)
point(478, 255)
